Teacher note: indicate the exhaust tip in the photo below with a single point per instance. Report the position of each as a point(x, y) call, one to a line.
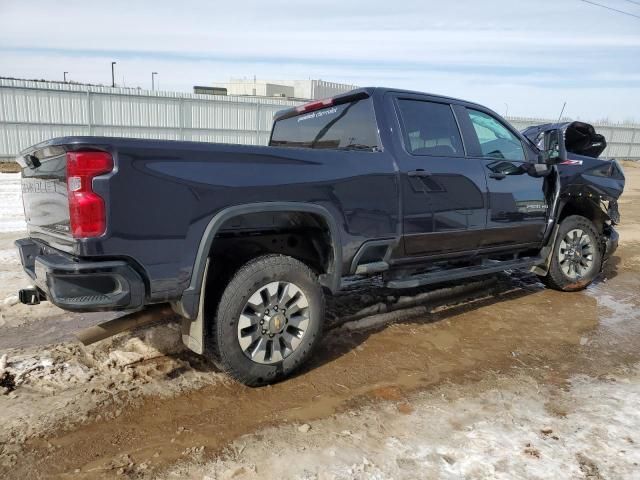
point(29, 296)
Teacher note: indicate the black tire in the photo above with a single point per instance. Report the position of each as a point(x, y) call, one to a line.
point(224, 343)
point(557, 278)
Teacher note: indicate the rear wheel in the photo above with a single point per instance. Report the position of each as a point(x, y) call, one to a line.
point(269, 319)
point(576, 257)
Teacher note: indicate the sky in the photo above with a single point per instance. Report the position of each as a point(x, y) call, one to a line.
point(517, 57)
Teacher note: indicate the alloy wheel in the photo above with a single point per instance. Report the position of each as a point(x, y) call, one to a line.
point(575, 254)
point(273, 322)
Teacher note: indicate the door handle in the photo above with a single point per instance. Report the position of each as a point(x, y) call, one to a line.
point(497, 176)
point(420, 173)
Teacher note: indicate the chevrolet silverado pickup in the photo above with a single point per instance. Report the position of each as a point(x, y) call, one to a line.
point(244, 242)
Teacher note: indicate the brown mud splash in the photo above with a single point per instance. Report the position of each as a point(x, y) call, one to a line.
point(550, 334)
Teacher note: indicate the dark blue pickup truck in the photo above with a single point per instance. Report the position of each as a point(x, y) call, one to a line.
point(245, 241)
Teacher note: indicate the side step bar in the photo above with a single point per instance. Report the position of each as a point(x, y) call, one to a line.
point(460, 273)
point(371, 268)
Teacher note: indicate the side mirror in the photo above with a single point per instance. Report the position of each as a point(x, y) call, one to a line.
point(551, 146)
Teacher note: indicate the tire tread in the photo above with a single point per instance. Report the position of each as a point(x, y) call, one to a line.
point(555, 279)
point(241, 282)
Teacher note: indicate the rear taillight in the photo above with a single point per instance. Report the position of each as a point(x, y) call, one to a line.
point(87, 211)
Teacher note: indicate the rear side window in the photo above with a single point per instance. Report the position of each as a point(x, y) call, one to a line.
point(347, 126)
point(430, 129)
point(496, 140)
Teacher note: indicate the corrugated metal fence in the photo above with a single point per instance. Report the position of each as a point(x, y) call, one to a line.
point(31, 112)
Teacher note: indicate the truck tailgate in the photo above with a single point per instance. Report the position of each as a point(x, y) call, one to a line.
point(45, 197)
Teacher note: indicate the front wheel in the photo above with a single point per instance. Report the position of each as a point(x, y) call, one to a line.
point(268, 321)
point(576, 258)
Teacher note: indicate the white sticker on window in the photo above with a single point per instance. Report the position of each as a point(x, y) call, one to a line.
point(318, 114)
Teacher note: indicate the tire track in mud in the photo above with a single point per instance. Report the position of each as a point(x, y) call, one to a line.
point(514, 326)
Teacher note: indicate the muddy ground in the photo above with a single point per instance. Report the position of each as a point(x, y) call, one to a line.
point(9, 167)
point(498, 378)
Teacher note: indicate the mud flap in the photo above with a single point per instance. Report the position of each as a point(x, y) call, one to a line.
point(546, 253)
point(609, 243)
point(193, 330)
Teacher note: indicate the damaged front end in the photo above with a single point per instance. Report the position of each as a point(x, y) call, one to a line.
point(588, 185)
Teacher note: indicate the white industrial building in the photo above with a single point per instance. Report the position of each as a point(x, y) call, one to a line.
point(299, 89)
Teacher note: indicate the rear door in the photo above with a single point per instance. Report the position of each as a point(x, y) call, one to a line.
point(517, 202)
point(443, 192)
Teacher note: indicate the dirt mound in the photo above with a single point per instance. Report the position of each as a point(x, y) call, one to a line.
point(42, 389)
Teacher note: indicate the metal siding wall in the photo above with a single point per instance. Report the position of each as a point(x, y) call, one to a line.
point(13, 136)
point(37, 106)
point(128, 111)
point(32, 112)
point(322, 89)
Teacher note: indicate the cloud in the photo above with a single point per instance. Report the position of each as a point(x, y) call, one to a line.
point(526, 54)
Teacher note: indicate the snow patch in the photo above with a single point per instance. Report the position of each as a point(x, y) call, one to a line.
point(11, 210)
point(9, 255)
point(500, 429)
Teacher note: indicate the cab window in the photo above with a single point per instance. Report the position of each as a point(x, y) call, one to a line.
point(496, 140)
point(348, 126)
point(430, 129)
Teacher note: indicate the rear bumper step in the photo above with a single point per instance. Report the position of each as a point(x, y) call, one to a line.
point(80, 285)
point(440, 276)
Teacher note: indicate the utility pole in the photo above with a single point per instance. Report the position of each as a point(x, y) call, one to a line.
point(113, 76)
point(64, 75)
point(153, 83)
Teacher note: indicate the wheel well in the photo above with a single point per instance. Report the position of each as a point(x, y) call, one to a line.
point(301, 235)
point(586, 208)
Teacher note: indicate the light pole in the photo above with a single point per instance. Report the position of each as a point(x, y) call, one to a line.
point(64, 75)
point(506, 110)
point(113, 75)
point(153, 83)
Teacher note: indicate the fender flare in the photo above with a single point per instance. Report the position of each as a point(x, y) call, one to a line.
point(188, 305)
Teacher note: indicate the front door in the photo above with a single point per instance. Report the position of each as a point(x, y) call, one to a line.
point(443, 193)
point(517, 202)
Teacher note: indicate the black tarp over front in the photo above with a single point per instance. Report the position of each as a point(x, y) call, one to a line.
point(580, 138)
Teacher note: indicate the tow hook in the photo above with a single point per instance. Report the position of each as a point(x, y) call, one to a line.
point(29, 296)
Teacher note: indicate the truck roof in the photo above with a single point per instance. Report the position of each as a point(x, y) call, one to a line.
point(369, 92)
